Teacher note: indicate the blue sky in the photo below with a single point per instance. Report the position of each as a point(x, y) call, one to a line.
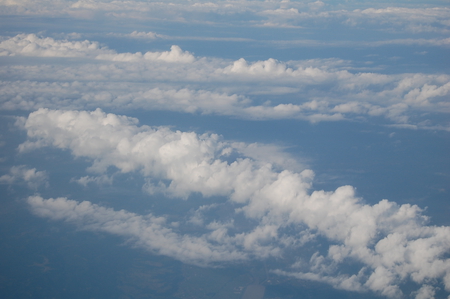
point(308, 137)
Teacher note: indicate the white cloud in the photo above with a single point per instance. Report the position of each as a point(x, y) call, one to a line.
point(425, 292)
point(327, 236)
point(145, 35)
point(412, 41)
point(100, 180)
point(433, 42)
point(26, 95)
point(174, 55)
point(268, 153)
point(187, 159)
point(259, 13)
point(31, 45)
point(34, 179)
point(146, 231)
point(413, 19)
point(398, 19)
point(319, 90)
point(392, 242)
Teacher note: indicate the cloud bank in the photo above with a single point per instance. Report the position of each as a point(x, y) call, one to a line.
point(176, 80)
point(387, 244)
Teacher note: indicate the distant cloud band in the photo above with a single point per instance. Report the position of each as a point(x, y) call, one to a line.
point(319, 90)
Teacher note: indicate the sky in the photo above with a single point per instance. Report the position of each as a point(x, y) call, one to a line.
point(298, 145)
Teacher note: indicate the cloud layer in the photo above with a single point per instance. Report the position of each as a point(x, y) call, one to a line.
point(176, 80)
point(283, 14)
point(388, 244)
point(378, 63)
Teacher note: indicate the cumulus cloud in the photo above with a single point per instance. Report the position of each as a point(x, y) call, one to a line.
point(185, 158)
point(33, 178)
point(389, 244)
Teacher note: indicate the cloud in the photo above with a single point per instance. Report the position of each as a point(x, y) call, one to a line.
point(415, 20)
point(31, 45)
point(34, 179)
point(100, 180)
point(396, 19)
point(145, 231)
point(436, 42)
point(144, 35)
point(174, 55)
point(152, 36)
point(426, 291)
point(285, 14)
point(176, 80)
point(194, 163)
point(388, 244)
point(262, 205)
point(26, 95)
point(412, 41)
